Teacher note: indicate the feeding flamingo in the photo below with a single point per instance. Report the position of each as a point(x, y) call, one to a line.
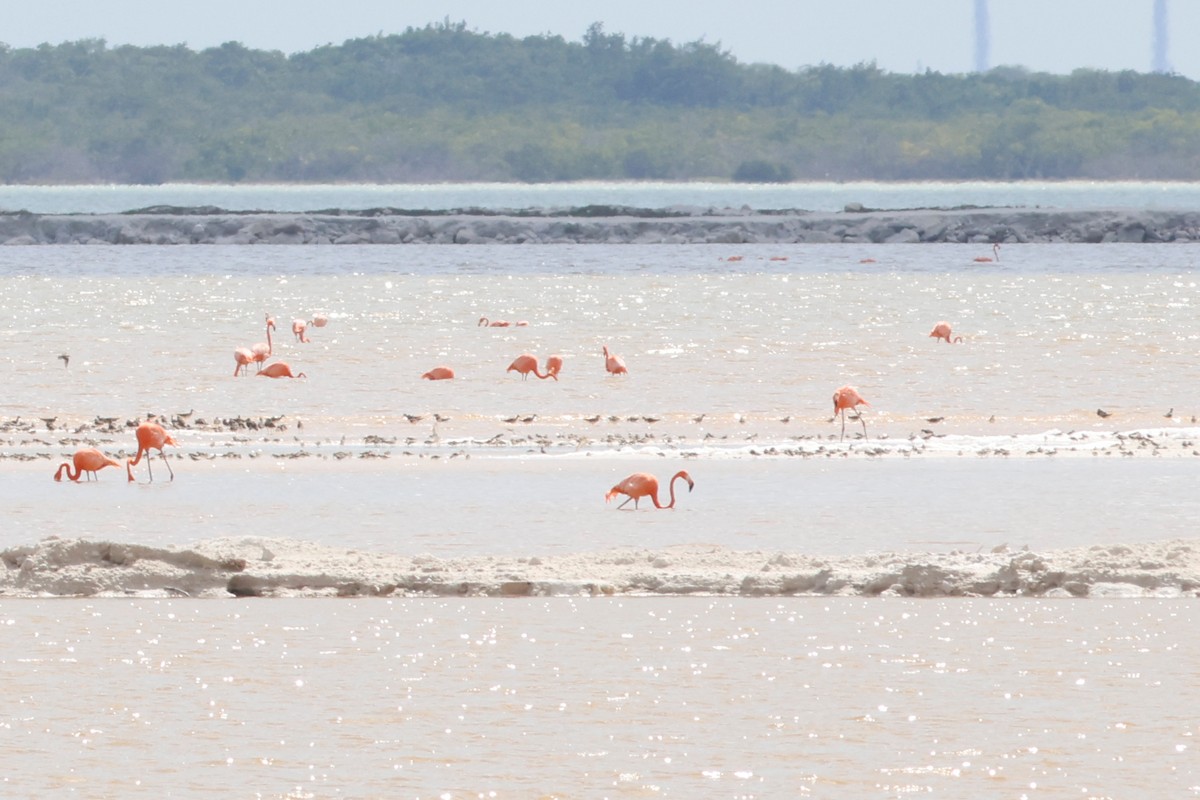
point(279, 370)
point(298, 327)
point(150, 436)
point(262, 351)
point(320, 320)
point(848, 397)
point(439, 374)
point(241, 360)
point(996, 250)
point(942, 331)
point(643, 484)
point(86, 461)
point(525, 364)
point(614, 363)
point(554, 365)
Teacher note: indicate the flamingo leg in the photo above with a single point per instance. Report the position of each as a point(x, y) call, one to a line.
point(627, 499)
point(172, 472)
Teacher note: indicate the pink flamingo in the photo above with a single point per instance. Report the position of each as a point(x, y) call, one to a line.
point(262, 351)
point(942, 331)
point(150, 436)
point(614, 363)
point(643, 484)
point(279, 370)
point(241, 360)
point(525, 364)
point(298, 328)
point(86, 461)
point(554, 365)
point(848, 397)
point(500, 323)
point(439, 374)
point(995, 250)
point(320, 320)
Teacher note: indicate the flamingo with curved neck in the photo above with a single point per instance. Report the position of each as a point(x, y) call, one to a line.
point(942, 331)
point(85, 462)
point(262, 351)
point(643, 484)
point(150, 436)
point(525, 364)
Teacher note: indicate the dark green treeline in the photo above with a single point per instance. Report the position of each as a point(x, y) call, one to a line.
point(444, 103)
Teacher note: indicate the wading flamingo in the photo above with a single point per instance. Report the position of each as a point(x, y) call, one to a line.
point(262, 351)
point(996, 250)
point(614, 363)
point(86, 461)
point(848, 397)
point(643, 484)
point(526, 364)
point(942, 331)
point(279, 370)
point(241, 360)
point(320, 320)
point(298, 327)
point(439, 374)
point(500, 323)
point(150, 436)
point(554, 366)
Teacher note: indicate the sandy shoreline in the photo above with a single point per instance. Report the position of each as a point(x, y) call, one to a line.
point(603, 224)
point(267, 567)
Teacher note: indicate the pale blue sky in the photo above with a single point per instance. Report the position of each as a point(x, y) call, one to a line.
point(899, 35)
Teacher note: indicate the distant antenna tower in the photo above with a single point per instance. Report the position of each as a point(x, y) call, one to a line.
point(983, 37)
point(1160, 37)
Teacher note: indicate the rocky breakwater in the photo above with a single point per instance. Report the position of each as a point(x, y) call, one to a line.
point(602, 225)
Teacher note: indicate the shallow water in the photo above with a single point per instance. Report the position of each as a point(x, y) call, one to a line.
point(730, 362)
point(683, 698)
point(815, 196)
point(679, 697)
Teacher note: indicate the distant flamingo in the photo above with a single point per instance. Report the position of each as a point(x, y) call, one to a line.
point(614, 363)
point(554, 365)
point(150, 436)
point(486, 323)
point(996, 250)
point(298, 327)
point(643, 484)
point(525, 364)
point(942, 331)
point(241, 360)
point(439, 374)
point(320, 320)
point(848, 397)
point(262, 351)
point(86, 460)
point(279, 370)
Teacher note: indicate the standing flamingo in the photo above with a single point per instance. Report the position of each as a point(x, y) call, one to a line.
point(320, 320)
point(942, 331)
point(150, 436)
point(86, 461)
point(643, 484)
point(439, 374)
point(241, 360)
point(996, 250)
point(262, 351)
point(554, 365)
point(298, 328)
point(614, 363)
point(525, 364)
point(848, 397)
point(279, 370)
